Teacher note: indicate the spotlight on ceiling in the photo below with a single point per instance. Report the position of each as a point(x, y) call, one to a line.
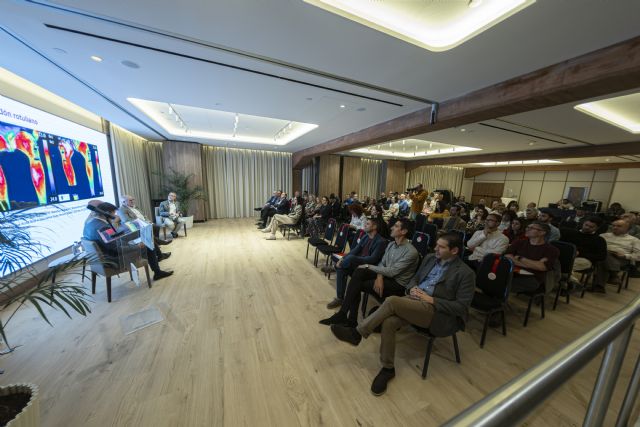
point(96, 58)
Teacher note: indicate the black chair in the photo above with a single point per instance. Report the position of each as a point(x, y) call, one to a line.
point(463, 240)
point(624, 280)
point(430, 339)
point(567, 257)
point(338, 246)
point(538, 294)
point(357, 236)
point(420, 241)
point(432, 231)
point(329, 231)
point(421, 220)
point(493, 278)
point(297, 227)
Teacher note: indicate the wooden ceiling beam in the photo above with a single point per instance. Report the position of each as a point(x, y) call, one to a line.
point(605, 150)
point(604, 71)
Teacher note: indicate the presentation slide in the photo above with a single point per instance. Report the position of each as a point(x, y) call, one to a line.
point(52, 166)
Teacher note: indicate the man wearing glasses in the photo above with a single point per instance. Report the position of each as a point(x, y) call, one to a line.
point(534, 255)
point(487, 241)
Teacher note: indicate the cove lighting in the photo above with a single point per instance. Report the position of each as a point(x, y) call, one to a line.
point(519, 162)
point(621, 111)
point(202, 123)
point(410, 148)
point(433, 25)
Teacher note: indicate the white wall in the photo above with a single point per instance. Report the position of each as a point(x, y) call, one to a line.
point(607, 186)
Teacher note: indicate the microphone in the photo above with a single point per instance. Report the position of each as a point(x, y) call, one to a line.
point(100, 212)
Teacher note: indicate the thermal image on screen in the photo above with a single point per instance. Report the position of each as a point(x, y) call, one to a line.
point(68, 170)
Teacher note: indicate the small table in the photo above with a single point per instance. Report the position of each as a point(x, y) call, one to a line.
point(66, 260)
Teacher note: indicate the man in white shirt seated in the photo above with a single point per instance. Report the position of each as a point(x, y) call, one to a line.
point(622, 250)
point(128, 212)
point(171, 214)
point(490, 240)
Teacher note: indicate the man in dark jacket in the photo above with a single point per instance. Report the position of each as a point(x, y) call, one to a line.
point(591, 248)
point(368, 251)
point(438, 297)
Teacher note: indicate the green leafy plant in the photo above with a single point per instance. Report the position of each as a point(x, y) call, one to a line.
point(18, 251)
point(187, 193)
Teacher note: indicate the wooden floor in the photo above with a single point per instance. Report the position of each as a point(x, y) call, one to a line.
point(241, 346)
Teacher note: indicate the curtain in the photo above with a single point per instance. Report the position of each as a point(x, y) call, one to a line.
point(133, 173)
point(155, 166)
point(237, 181)
point(436, 178)
point(309, 179)
point(370, 178)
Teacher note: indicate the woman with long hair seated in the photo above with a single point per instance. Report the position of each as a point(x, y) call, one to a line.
point(516, 230)
point(477, 222)
point(377, 215)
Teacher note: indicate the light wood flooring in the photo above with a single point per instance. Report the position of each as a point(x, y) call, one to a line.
point(241, 346)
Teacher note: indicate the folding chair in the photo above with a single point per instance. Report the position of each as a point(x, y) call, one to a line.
point(566, 258)
point(338, 246)
point(329, 231)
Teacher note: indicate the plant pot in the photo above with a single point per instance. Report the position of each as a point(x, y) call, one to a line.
point(188, 220)
point(27, 408)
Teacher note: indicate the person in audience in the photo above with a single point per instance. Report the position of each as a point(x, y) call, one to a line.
point(494, 205)
point(622, 250)
point(418, 197)
point(391, 211)
point(334, 204)
point(534, 255)
point(531, 214)
point(368, 251)
point(317, 222)
point(96, 223)
point(489, 240)
point(128, 212)
point(632, 219)
point(477, 222)
point(513, 207)
point(310, 206)
point(482, 202)
point(565, 204)
point(378, 217)
point(281, 207)
point(591, 249)
point(575, 221)
point(382, 199)
point(516, 231)
point(523, 213)
point(357, 219)
point(499, 208)
point(442, 289)
point(171, 214)
point(615, 210)
point(279, 219)
point(270, 204)
point(403, 206)
point(507, 218)
point(454, 222)
point(546, 216)
point(389, 277)
point(439, 213)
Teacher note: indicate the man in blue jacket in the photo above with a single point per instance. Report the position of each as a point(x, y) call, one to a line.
point(368, 251)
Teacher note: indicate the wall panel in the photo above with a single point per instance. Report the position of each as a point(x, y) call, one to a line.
point(395, 176)
point(351, 174)
point(329, 175)
point(186, 158)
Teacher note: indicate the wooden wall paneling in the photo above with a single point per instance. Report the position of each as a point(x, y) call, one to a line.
point(297, 181)
point(186, 157)
point(396, 176)
point(351, 175)
point(489, 191)
point(329, 175)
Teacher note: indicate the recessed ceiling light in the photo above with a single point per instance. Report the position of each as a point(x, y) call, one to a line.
point(621, 111)
point(342, 106)
point(361, 109)
point(309, 99)
point(130, 64)
point(463, 130)
point(532, 143)
point(96, 58)
point(58, 50)
point(519, 162)
point(433, 25)
point(607, 160)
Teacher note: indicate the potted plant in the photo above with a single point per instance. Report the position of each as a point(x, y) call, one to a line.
point(19, 402)
point(187, 193)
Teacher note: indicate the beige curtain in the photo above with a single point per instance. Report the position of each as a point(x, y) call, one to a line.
point(370, 177)
point(155, 165)
point(309, 179)
point(133, 172)
point(240, 180)
point(436, 178)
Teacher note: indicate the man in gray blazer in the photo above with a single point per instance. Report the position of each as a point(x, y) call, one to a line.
point(171, 213)
point(438, 297)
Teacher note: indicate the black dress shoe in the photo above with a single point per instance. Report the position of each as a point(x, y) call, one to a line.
point(164, 255)
point(174, 234)
point(338, 318)
point(162, 274)
point(346, 334)
point(379, 385)
point(162, 242)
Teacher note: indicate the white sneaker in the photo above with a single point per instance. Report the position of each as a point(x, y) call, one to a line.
point(271, 237)
point(266, 230)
